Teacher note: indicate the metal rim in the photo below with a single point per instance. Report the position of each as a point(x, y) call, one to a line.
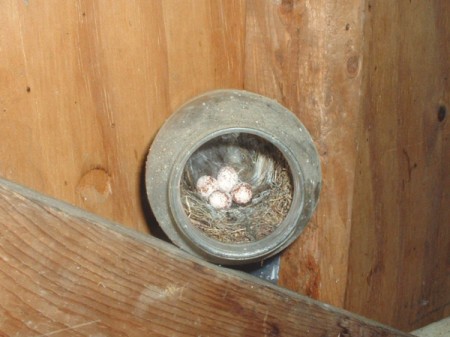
point(204, 118)
point(251, 251)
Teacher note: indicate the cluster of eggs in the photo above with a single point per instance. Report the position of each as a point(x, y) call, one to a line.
point(222, 191)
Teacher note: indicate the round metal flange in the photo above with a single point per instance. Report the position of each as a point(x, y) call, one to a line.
point(212, 115)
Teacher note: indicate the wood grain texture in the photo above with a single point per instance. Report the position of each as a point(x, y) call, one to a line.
point(307, 55)
point(400, 245)
point(86, 85)
point(64, 272)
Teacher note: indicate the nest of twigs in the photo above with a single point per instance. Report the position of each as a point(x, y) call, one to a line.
point(258, 163)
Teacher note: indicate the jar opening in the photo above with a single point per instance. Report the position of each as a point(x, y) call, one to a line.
point(236, 188)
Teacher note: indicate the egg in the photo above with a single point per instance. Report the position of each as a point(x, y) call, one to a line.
point(206, 185)
point(227, 178)
point(242, 193)
point(220, 200)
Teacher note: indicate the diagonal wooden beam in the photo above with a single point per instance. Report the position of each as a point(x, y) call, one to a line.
point(65, 272)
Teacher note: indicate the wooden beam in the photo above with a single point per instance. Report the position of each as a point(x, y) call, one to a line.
point(64, 272)
point(308, 56)
point(369, 79)
point(399, 253)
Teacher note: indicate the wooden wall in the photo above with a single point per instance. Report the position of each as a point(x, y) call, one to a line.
point(85, 85)
point(307, 55)
point(400, 239)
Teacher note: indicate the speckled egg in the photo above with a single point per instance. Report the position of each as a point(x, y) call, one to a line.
point(227, 178)
point(220, 200)
point(206, 185)
point(242, 193)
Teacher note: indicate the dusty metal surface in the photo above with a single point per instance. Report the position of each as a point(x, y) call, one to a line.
point(212, 115)
point(268, 270)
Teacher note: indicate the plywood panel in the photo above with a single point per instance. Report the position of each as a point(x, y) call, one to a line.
point(85, 85)
point(399, 255)
point(66, 273)
point(307, 55)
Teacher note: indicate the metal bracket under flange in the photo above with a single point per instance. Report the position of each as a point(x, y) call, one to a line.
point(267, 269)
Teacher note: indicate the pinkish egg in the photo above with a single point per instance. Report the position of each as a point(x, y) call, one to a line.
point(220, 200)
point(206, 185)
point(227, 178)
point(242, 193)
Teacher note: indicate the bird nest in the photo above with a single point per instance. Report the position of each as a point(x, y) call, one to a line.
point(258, 163)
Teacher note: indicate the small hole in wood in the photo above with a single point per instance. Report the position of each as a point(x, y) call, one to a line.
point(442, 112)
